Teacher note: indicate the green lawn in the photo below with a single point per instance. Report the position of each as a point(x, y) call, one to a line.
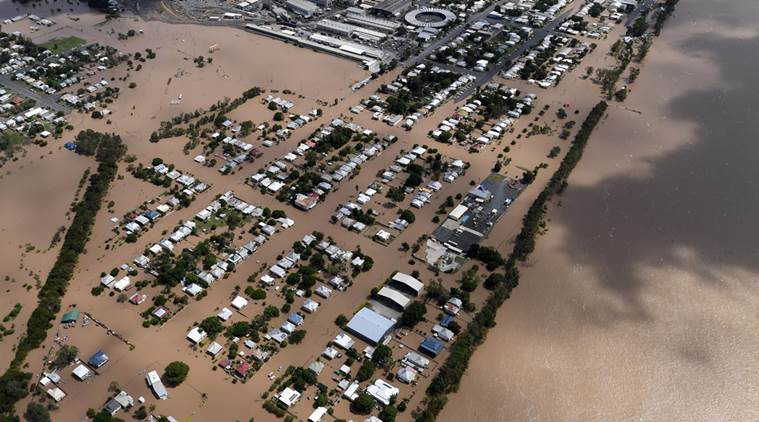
point(10, 139)
point(57, 45)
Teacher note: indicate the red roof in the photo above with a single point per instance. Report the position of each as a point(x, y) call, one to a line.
point(224, 363)
point(242, 369)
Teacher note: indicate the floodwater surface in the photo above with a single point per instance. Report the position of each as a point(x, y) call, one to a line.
point(640, 302)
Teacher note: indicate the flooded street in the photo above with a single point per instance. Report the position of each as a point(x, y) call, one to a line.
point(640, 302)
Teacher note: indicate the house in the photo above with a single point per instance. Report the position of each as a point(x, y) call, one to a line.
point(407, 374)
point(453, 306)
point(382, 391)
point(317, 414)
point(56, 394)
point(214, 349)
point(343, 341)
point(239, 302)
point(107, 280)
point(242, 369)
point(442, 332)
point(295, 319)
point(196, 335)
point(122, 284)
point(98, 359)
point(81, 372)
point(330, 353)
point(155, 383)
point(287, 327)
point(138, 298)
point(161, 312)
point(431, 346)
point(288, 397)
point(323, 291)
point(192, 289)
point(306, 202)
point(310, 306)
point(224, 314)
point(370, 326)
point(416, 361)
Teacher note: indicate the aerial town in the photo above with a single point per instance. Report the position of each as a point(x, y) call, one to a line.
point(306, 210)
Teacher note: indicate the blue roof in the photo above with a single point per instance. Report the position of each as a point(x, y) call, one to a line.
point(152, 214)
point(295, 319)
point(98, 359)
point(370, 325)
point(446, 320)
point(431, 346)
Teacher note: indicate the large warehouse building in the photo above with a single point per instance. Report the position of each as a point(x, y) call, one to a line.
point(370, 326)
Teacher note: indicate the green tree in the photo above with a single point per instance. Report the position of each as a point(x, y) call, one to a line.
point(66, 355)
point(413, 315)
point(382, 355)
point(36, 412)
point(212, 326)
point(363, 404)
point(175, 373)
point(365, 371)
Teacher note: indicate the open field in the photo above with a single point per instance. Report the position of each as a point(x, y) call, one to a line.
point(57, 45)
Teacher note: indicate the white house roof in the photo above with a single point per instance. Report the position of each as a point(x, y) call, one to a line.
point(81, 372)
point(239, 302)
point(214, 348)
point(288, 396)
point(196, 335)
point(224, 314)
point(343, 341)
point(382, 391)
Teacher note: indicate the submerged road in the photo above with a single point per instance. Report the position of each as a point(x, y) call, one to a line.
point(42, 100)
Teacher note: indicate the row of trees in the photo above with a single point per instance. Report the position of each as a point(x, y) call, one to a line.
point(108, 150)
point(452, 370)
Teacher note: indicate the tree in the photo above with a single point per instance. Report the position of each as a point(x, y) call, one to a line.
point(388, 414)
point(238, 329)
point(365, 371)
point(408, 215)
point(341, 320)
point(36, 412)
point(66, 355)
point(363, 404)
point(297, 336)
point(278, 116)
point(212, 326)
point(175, 373)
point(595, 10)
point(382, 355)
point(413, 315)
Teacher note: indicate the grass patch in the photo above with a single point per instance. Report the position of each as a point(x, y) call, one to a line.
point(57, 45)
point(10, 139)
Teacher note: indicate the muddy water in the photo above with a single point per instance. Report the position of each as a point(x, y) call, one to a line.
point(641, 301)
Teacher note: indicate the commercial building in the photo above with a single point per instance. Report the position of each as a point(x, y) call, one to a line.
point(391, 8)
point(407, 283)
point(370, 326)
point(303, 8)
point(394, 297)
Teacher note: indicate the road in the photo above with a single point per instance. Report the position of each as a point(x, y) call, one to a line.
point(535, 39)
point(42, 100)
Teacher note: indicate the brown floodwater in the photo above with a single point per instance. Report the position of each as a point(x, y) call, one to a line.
point(641, 300)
